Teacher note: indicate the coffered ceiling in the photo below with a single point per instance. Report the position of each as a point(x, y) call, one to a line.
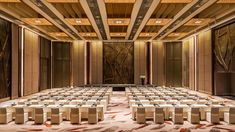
point(117, 19)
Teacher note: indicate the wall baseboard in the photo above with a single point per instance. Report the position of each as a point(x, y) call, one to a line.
point(4, 99)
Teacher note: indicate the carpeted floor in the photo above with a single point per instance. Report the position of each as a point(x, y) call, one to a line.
point(118, 119)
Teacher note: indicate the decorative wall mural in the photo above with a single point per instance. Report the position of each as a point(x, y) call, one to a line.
point(118, 63)
point(5, 58)
point(224, 60)
point(224, 48)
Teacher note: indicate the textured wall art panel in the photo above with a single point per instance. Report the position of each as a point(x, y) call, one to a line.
point(5, 58)
point(118, 63)
point(224, 59)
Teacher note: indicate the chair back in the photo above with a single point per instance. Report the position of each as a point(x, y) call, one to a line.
point(19, 110)
point(214, 111)
point(3, 110)
point(39, 110)
point(141, 110)
point(55, 111)
point(195, 111)
point(158, 111)
point(74, 110)
point(178, 111)
point(92, 110)
point(232, 110)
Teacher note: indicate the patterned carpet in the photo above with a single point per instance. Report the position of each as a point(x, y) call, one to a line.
point(118, 119)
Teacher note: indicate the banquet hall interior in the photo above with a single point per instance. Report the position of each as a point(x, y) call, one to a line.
point(117, 65)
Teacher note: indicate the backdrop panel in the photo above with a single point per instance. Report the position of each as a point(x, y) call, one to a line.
point(118, 63)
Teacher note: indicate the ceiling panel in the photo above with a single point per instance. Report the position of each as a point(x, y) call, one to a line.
point(216, 10)
point(167, 10)
point(118, 28)
point(70, 10)
point(120, 10)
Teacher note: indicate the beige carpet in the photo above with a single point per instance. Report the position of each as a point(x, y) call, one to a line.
point(118, 119)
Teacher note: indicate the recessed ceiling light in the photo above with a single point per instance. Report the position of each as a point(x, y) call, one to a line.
point(118, 21)
point(198, 22)
point(158, 21)
point(37, 21)
point(78, 21)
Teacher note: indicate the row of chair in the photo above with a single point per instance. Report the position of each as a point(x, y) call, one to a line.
point(212, 116)
point(40, 116)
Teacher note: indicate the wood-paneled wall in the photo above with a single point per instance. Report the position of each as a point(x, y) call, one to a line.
point(45, 64)
point(192, 63)
point(61, 64)
point(31, 62)
point(78, 63)
point(5, 59)
point(204, 67)
point(139, 61)
point(96, 62)
point(185, 63)
point(15, 62)
point(173, 63)
point(158, 63)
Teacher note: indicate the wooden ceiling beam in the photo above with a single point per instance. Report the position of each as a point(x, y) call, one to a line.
point(150, 11)
point(176, 1)
point(179, 14)
point(118, 34)
point(203, 7)
point(55, 18)
point(158, 21)
point(88, 34)
point(226, 1)
point(63, 1)
point(146, 34)
point(11, 13)
point(118, 21)
point(134, 14)
point(119, 1)
point(207, 24)
point(104, 17)
point(88, 12)
point(199, 21)
point(37, 21)
point(78, 21)
point(9, 1)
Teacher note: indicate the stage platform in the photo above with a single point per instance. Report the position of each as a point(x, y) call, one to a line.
point(117, 87)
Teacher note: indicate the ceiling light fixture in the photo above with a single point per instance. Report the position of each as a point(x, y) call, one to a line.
point(118, 21)
point(158, 21)
point(37, 21)
point(78, 21)
point(147, 34)
point(198, 22)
